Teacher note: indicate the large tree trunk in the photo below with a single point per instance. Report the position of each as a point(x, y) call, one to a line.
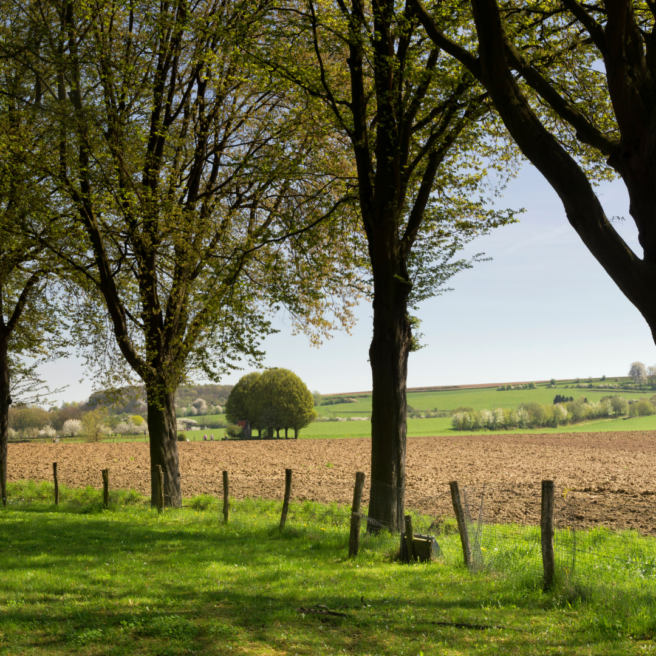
point(388, 355)
point(5, 402)
point(163, 444)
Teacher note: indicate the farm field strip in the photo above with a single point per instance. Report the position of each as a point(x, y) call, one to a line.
point(611, 472)
point(486, 398)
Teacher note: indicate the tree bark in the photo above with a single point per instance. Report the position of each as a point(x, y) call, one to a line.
point(5, 401)
point(163, 445)
point(388, 355)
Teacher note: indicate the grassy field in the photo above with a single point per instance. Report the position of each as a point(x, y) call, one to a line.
point(442, 426)
point(80, 580)
point(486, 398)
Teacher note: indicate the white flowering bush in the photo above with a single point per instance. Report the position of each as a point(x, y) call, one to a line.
point(200, 406)
point(11, 433)
point(185, 424)
point(124, 428)
point(561, 413)
point(457, 421)
point(537, 415)
point(72, 427)
point(47, 431)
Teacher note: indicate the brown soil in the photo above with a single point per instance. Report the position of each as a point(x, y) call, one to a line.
point(601, 478)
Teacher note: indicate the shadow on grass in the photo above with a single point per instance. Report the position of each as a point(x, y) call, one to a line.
point(80, 578)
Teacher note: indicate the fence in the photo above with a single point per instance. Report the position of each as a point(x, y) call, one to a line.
point(576, 539)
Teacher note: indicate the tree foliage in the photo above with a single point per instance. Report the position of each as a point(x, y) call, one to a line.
point(638, 372)
point(575, 85)
point(272, 401)
point(415, 127)
point(192, 185)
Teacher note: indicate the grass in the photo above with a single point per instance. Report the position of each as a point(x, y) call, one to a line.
point(79, 580)
point(442, 427)
point(486, 398)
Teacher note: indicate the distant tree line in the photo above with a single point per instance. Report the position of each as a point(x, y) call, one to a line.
point(537, 415)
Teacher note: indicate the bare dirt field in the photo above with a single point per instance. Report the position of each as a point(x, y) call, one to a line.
point(601, 478)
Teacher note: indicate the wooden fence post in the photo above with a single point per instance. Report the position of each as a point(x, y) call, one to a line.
point(3, 483)
point(288, 493)
point(105, 476)
point(462, 524)
point(356, 518)
point(159, 473)
point(409, 538)
point(226, 497)
point(54, 474)
point(547, 533)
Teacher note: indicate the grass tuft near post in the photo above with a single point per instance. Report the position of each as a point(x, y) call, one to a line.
point(462, 524)
point(54, 474)
point(226, 497)
point(547, 533)
point(288, 494)
point(356, 517)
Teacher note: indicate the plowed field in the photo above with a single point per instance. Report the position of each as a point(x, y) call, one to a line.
point(601, 478)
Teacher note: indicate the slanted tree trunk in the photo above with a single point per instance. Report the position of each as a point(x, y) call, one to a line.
point(164, 445)
point(388, 355)
point(5, 401)
point(625, 46)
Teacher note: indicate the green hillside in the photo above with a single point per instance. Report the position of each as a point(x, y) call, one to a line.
point(482, 398)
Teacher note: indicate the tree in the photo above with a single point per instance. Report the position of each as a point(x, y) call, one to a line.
point(31, 321)
point(415, 125)
point(586, 70)
point(638, 372)
point(651, 375)
point(72, 427)
point(242, 404)
point(285, 401)
point(271, 401)
point(316, 395)
point(200, 406)
point(193, 188)
point(94, 426)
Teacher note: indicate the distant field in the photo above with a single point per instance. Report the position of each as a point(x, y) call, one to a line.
point(442, 426)
point(477, 398)
point(486, 398)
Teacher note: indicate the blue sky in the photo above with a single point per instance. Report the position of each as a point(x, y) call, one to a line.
point(542, 308)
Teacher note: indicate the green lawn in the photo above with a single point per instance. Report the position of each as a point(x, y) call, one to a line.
point(80, 580)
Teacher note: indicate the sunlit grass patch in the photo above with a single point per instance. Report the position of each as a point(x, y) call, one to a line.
point(82, 580)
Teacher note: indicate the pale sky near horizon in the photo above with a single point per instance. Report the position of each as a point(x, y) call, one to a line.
point(542, 308)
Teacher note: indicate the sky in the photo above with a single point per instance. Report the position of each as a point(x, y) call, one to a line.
point(541, 308)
